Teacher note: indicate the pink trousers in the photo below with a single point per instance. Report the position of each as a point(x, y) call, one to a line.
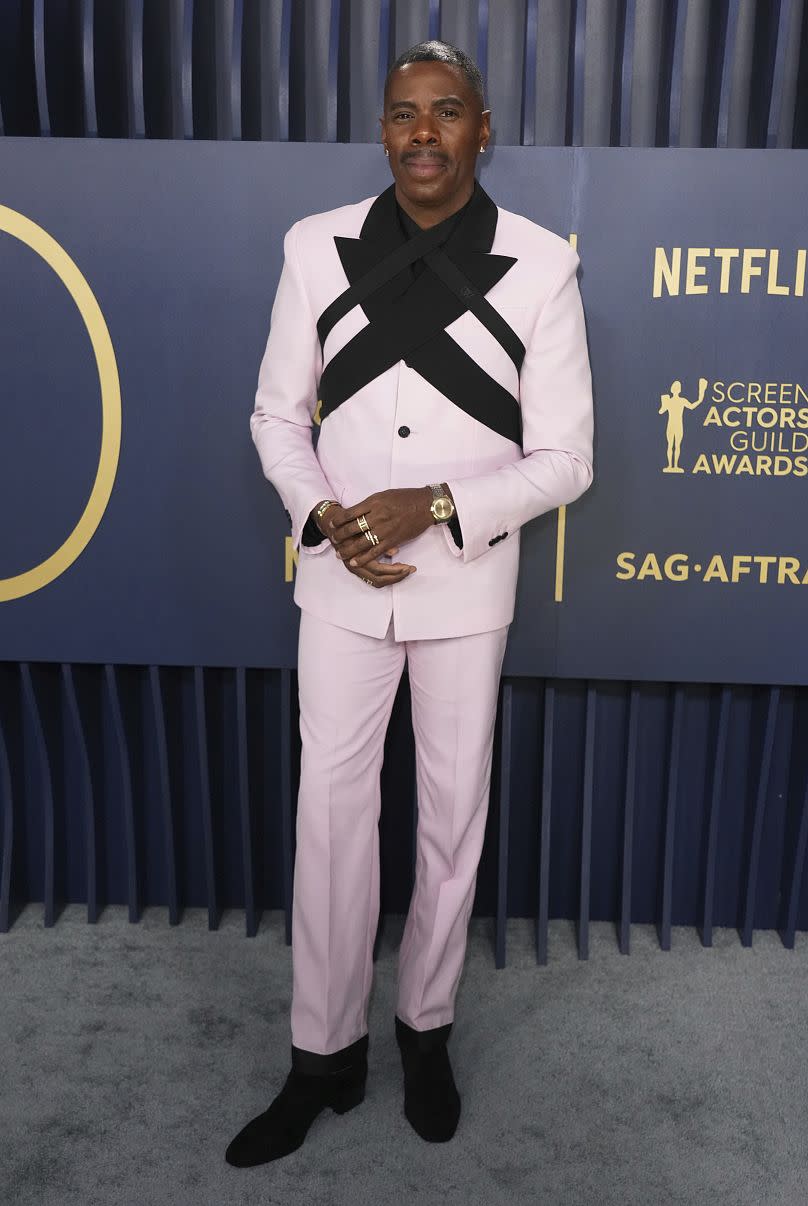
point(347, 685)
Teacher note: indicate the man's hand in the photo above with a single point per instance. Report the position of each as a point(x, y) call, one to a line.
point(394, 516)
point(373, 571)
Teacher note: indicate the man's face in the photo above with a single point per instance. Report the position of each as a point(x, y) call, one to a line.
point(433, 128)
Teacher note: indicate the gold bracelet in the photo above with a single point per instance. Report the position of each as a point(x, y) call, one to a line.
point(323, 507)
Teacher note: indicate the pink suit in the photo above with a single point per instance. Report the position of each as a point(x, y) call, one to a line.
point(449, 619)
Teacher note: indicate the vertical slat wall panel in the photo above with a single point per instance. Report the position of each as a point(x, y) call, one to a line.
point(646, 73)
point(506, 55)
point(575, 96)
point(666, 895)
point(205, 797)
point(761, 800)
point(386, 44)
point(285, 73)
point(714, 816)
point(780, 123)
point(483, 30)
point(551, 73)
point(166, 803)
point(529, 73)
point(586, 823)
point(43, 115)
point(627, 35)
point(236, 50)
point(185, 34)
point(793, 879)
point(434, 29)
point(43, 784)
point(75, 728)
point(459, 24)
point(506, 721)
point(133, 51)
point(18, 91)
point(243, 782)
point(265, 69)
point(796, 834)
point(361, 79)
point(6, 832)
point(677, 71)
point(694, 71)
point(629, 801)
point(600, 46)
point(63, 69)
point(411, 24)
point(217, 70)
point(87, 10)
point(221, 56)
point(332, 98)
point(124, 780)
point(726, 74)
point(37, 707)
point(664, 72)
point(111, 69)
point(741, 80)
point(162, 68)
point(309, 79)
point(205, 68)
point(548, 738)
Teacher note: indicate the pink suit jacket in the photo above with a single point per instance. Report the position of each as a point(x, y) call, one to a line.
point(363, 445)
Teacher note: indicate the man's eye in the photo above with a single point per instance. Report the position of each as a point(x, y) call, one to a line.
point(398, 115)
point(449, 113)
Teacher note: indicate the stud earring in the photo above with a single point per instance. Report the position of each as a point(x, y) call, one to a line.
point(386, 151)
point(482, 150)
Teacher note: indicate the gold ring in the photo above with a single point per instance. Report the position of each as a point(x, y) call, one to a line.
point(371, 537)
point(368, 580)
point(363, 523)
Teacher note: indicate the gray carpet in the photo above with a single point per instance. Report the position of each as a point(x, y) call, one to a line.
point(130, 1055)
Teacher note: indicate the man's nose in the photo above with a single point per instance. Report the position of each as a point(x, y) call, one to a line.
point(426, 132)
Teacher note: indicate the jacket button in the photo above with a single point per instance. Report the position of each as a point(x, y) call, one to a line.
point(403, 432)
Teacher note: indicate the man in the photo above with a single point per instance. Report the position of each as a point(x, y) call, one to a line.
point(440, 340)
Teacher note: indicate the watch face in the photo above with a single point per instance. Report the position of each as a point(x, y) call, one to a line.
point(443, 509)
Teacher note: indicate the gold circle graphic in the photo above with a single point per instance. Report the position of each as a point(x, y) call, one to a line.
point(56, 257)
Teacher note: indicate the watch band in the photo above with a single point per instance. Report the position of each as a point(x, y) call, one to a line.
point(439, 495)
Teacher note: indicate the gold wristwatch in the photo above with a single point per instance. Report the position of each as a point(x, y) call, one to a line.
point(442, 506)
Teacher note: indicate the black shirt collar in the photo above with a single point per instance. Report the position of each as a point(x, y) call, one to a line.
point(411, 227)
point(472, 228)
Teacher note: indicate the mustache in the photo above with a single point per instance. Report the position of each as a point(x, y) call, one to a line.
point(440, 156)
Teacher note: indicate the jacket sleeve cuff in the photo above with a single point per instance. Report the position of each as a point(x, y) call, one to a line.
point(454, 536)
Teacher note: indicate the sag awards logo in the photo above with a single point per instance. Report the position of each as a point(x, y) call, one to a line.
point(753, 428)
point(45, 246)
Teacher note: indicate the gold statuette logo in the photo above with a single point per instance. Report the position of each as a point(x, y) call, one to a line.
point(674, 405)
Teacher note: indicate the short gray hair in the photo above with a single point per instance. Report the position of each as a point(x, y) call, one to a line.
point(442, 52)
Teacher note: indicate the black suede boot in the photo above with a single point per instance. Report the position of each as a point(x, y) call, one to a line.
point(314, 1083)
point(431, 1099)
